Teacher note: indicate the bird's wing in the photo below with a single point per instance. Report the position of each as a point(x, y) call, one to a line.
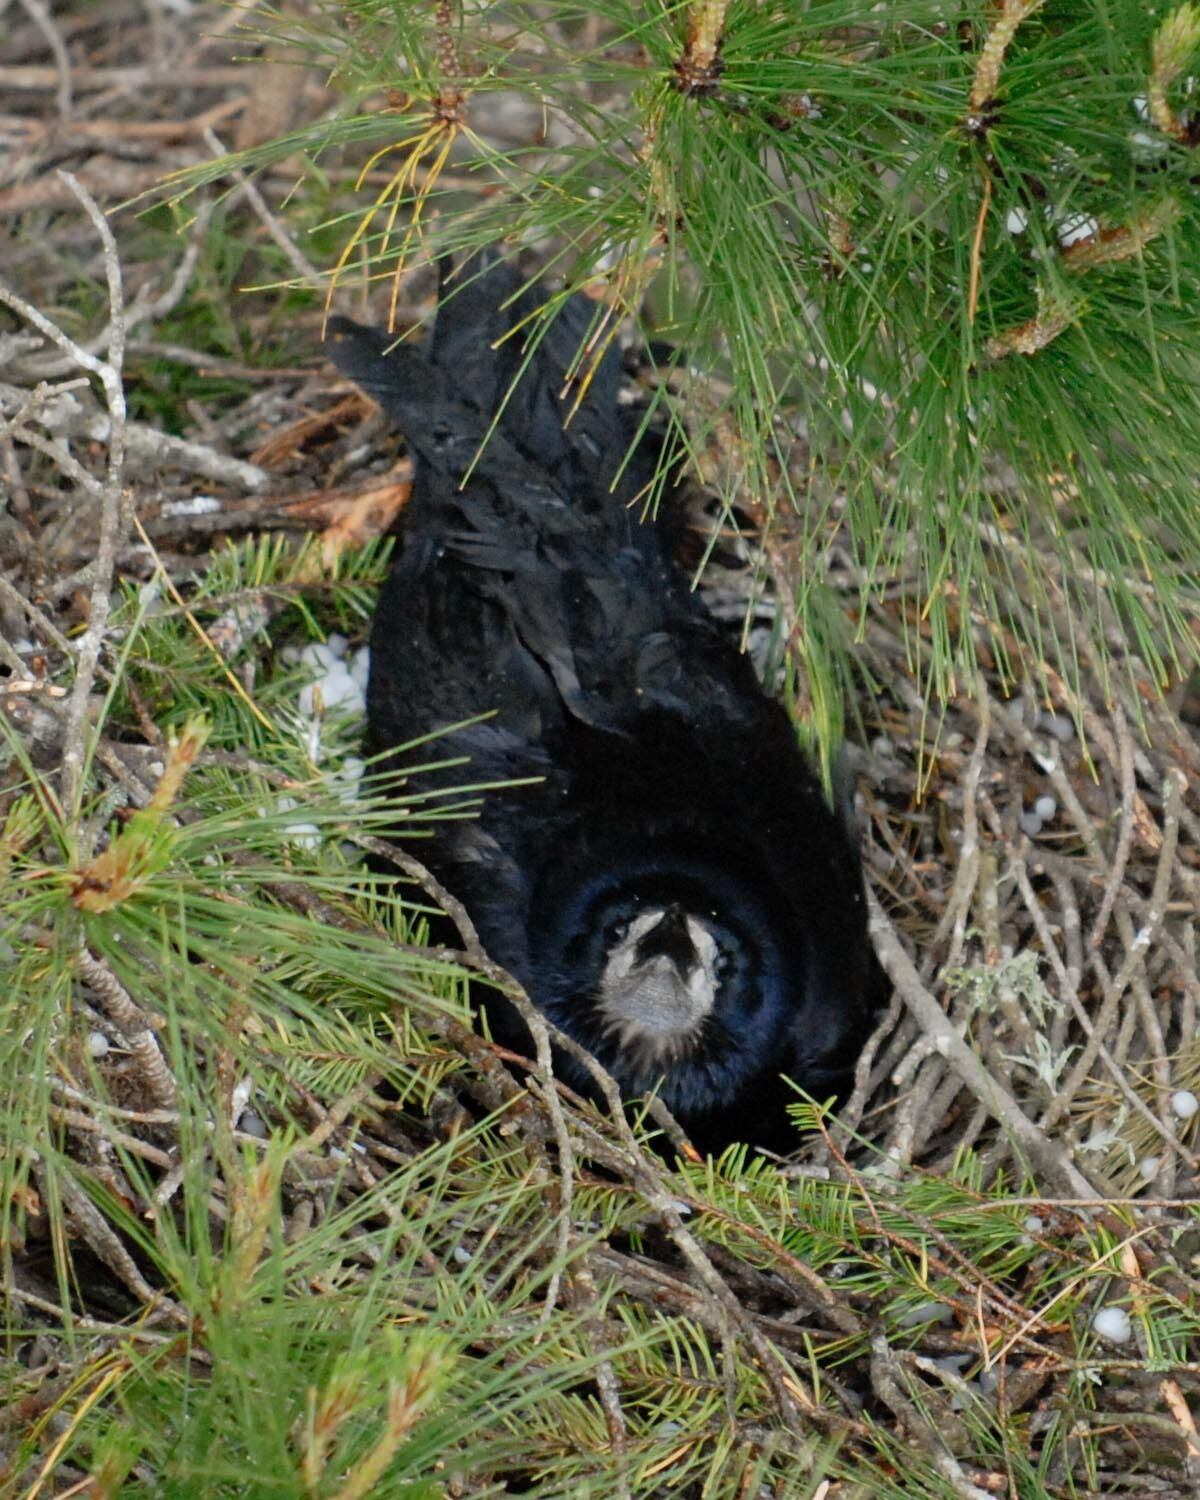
point(529, 512)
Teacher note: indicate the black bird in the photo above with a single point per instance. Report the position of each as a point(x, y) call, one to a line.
point(672, 888)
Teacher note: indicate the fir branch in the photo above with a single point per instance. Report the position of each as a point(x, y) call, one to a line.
point(1007, 17)
point(1176, 39)
point(698, 70)
point(450, 98)
point(1054, 316)
point(136, 1027)
point(1112, 245)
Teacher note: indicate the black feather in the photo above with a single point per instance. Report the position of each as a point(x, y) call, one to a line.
point(674, 890)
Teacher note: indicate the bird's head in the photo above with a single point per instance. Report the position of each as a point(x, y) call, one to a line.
point(673, 976)
point(685, 970)
point(662, 970)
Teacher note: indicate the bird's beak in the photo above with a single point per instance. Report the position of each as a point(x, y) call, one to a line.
point(669, 938)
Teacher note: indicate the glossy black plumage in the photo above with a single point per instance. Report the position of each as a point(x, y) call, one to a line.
point(673, 890)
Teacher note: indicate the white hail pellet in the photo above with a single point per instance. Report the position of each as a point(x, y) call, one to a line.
point(927, 1312)
point(1077, 227)
point(198, 505)
point(304, 835)
point(336, 689)
point(1113, 1323)
point(1062, 728)
point(318, 656)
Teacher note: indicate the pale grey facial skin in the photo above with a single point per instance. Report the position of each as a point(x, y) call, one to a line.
point(653, 1009)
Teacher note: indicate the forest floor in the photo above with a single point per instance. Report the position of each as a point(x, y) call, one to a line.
point(980, 1278)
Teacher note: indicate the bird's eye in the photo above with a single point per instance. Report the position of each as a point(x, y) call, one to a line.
point(614, 933)
point(726, 963)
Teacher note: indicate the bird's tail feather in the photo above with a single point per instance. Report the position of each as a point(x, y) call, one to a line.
point(492, 365)
point(389, 371)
